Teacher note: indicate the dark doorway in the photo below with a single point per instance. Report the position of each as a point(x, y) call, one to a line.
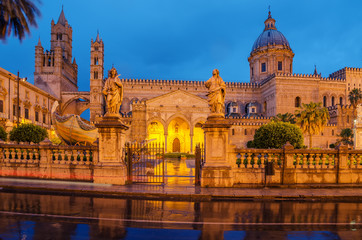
point(176, 145)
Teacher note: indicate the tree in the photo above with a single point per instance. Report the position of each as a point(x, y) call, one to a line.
point(286, 117)
point(28, 132)
point(3, 134)
point(355, 97)
point(346, 136)
point(276, 135)
point(312, 118)
point(16, 16)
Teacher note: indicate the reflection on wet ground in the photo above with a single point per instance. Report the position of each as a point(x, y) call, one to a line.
point(179, 172)
point(35, 216)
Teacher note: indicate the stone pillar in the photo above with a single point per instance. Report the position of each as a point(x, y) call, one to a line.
point(111, 167)
point(343, 173)
point(288, 172)
point(217, 170)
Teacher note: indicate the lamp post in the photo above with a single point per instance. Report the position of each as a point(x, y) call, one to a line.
point(18, 102)
point(17, 110)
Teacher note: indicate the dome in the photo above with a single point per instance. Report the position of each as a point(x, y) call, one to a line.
point(270, 36)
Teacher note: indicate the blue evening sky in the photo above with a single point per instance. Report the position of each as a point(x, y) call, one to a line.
point(187, 39)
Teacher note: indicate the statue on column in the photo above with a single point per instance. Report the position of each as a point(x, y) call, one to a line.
point(216, 94)
point(113, 92)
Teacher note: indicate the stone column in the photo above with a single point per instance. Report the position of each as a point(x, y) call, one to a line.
point(191, 143)
point(288, 172)
point(111, 167)
point(165, 142)
point(217, 170)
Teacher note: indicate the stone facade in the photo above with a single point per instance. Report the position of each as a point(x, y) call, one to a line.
point(172, 112)
point(34, 103)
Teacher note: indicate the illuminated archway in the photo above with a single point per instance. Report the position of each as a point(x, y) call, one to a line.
point(179, 129)
point(155, 132)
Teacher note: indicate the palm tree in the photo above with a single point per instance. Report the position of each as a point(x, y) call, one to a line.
point(286, 117)
point(16, 16)
point(355, 97)
point(312, 118)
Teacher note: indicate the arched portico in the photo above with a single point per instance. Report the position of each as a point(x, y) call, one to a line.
point(178, 137)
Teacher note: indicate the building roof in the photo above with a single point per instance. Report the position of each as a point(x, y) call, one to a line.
point(270, 35)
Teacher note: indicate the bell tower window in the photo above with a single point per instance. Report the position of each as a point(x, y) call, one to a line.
point(263, 67)
point(95, 75)
point(280, 65)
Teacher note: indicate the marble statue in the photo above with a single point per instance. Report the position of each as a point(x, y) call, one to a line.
point(216, 93)
point(113, 92)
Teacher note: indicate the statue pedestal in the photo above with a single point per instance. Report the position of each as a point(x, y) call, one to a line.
point(111, 168)
point(217, 170)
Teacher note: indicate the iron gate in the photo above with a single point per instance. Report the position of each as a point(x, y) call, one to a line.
point(145, 163)
point(199, 162)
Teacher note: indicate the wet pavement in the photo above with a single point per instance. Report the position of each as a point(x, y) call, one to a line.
point(48, 216)
point(179, 184)
point(182, 192)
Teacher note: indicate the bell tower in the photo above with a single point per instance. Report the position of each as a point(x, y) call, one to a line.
point(96, 78)
point(55, 72)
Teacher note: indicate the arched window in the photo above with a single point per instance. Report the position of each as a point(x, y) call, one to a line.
point(341, 101)
point(332, 101)
point(347, 118)
point(246, 132)
point(297, 102)
point(1, 106)
point(265, 106)
point(324, 101)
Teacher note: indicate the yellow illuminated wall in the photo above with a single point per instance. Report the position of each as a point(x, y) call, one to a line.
point(178, 135)
point(198, 135)
point(155, 132)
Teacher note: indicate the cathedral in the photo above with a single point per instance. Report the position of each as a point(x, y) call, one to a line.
point(173, 112)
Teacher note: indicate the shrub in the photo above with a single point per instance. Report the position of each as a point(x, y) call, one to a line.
point(276, 134)
point(250, 144)
point(28, 132)
point(3, 134)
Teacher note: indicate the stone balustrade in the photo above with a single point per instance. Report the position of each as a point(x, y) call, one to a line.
point(48, 161)
point(296, 166)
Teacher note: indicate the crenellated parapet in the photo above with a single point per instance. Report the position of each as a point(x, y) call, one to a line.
point(304, 76)
point(345, 72)
point(182, 83)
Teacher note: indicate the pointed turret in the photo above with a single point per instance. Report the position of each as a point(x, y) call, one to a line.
point(39, 43)
point(61, 18)
point(315, 70)
point(97, 38)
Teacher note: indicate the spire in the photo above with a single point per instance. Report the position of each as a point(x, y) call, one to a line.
point(61, 18)
point(315, 70)
point(39, 43)
point(98, 39)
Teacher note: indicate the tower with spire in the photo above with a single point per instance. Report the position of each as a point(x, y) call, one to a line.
point(96, 78)
point(55, 70)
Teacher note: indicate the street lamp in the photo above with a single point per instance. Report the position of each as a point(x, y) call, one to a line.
point(18, 102)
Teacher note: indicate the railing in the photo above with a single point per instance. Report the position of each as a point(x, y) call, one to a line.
point(48, 161)
point(24, 153)
point(297, 165)
point(258, 158)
